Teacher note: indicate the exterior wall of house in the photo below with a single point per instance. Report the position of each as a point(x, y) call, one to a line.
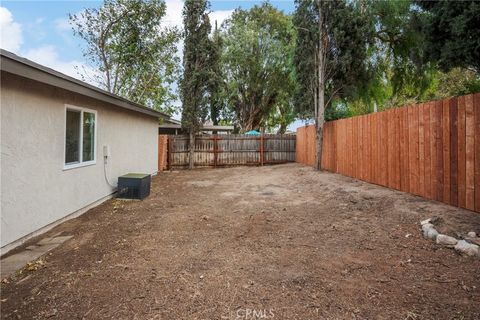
point(35, 189)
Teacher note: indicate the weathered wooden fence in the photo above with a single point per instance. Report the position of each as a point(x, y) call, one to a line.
point(430, 149)
point(231, 150)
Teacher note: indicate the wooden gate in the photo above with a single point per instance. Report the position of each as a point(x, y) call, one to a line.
point(231, 150)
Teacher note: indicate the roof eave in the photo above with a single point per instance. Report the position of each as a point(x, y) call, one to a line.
point(14, 64)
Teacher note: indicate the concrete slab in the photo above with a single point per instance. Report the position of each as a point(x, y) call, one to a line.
point(10, 264)
point(60, 239)
point(44, 241)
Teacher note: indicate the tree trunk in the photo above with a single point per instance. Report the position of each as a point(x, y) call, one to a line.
point(320, 114)
point(191, 158)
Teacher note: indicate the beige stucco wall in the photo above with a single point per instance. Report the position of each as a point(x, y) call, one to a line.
point(35, 189)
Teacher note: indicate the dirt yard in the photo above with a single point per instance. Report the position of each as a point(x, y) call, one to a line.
point(276, 242)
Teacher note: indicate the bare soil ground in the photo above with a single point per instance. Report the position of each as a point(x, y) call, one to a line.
point(283, 241)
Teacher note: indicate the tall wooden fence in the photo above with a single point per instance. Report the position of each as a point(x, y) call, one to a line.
point(305, 151)
point(162, 152)
point(231, 150)
point(431, 149)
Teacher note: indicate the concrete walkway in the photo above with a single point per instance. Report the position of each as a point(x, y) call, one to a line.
point(17, 261)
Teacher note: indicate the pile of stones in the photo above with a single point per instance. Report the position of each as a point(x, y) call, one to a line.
point(468, 245)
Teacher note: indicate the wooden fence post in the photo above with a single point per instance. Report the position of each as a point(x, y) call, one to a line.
point(215, 147)
point(169, 157)
point(261, 150)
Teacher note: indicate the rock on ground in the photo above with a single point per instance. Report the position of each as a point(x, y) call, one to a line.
point(446, 240)
point(429, 231)
point(467, 248)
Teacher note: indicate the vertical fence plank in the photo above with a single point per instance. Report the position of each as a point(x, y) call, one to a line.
point(469, 153)
point(477, 150)
point(343, 147)
point(367, 142)
point(325, 146)
point(446, 151)
point(339, 139)
point(380, 151)
point(427, 154)
point(312, 150)
point(351, 143)
point(330, 158)
point(370, 147)
point(332, 147)
point(384, 150)
point(376, 119)
point(367, 148)
point(413, 148)
point(453, 152)
point(354, 147)
point(421, 151)
point(404, 156)
point(396, 159)
point(461, 153)
point(390, 148)
point(433, 150)
point(440, 151)
point(360, 147)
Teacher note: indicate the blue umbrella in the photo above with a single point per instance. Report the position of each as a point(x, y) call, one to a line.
point(252, 133)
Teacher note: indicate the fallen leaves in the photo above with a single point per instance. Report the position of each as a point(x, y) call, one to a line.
point(35, 265)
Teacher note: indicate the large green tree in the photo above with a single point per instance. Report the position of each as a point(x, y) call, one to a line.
point(404, 71)
point(130, 53)
point(257, 54)
point(452, 31)
point(396, 57)
point(194, 84)
point(332, 43)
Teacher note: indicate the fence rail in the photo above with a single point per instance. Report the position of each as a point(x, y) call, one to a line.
point(431, 149)
point(231, 150)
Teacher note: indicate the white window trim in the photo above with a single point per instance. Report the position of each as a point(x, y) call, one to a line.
point(80, 163)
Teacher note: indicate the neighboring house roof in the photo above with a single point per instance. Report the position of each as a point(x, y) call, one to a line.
point(173, 121)
point(204, 127)
point(14, 64)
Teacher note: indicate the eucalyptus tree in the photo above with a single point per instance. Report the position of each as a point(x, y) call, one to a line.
point(330, 57)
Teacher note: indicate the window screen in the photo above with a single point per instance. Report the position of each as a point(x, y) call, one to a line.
point(72, 137)
point(88, 136)
point(80, 136)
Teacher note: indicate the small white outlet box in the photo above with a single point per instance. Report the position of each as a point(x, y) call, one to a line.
point(106, 151)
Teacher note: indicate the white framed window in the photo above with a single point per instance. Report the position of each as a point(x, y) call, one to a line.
point(80, 137)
